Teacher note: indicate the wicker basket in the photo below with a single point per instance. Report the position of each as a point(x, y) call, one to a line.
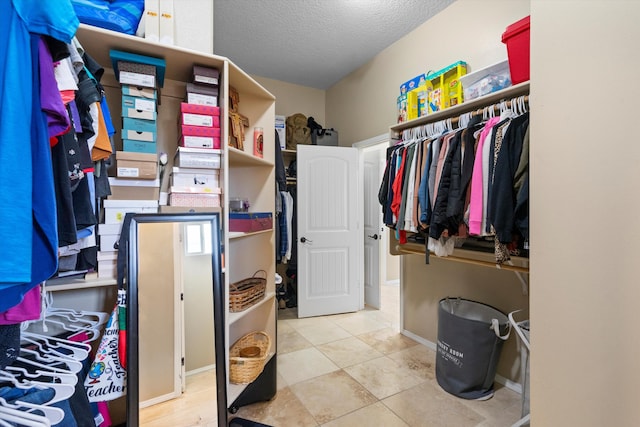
point(247, 292)
point(243, 370)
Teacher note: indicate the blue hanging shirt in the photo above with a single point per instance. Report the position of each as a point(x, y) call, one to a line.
point(28, 253)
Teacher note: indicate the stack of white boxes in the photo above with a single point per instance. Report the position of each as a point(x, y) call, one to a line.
point(195, 178)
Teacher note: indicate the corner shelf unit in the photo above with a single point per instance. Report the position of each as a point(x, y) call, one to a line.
point(242, 174)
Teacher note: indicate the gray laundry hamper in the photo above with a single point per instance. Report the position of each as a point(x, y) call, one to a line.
point(470, 339)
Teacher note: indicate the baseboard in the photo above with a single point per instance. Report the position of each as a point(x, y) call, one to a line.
point(158, 399)
point(199, 370)
point(511, 385)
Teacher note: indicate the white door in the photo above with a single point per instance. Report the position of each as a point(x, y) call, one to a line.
point(329, 231)
point(372, 159)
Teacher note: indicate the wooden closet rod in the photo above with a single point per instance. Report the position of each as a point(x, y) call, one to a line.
point(507, 267)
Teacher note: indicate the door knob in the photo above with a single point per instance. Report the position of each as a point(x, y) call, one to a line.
point(304, 239)
point(374, 237)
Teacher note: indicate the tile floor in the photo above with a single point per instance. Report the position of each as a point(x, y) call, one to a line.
point(356, 369)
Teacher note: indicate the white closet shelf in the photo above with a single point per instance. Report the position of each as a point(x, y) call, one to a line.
point(241, 158)
point(465, 107)
point(238, 234)
point(73, 284)
point(234, 317)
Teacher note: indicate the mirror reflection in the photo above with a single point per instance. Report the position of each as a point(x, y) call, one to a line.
point(174, 271)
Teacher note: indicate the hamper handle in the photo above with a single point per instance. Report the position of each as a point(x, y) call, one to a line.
point(495, 327)
point(260, 271)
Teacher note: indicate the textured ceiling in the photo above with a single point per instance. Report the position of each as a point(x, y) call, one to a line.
point(313, 43)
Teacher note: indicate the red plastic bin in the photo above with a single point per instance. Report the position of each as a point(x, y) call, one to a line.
point(517, 38)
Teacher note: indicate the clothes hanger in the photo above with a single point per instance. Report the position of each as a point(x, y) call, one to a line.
point(79, 350)
point(60, 377)
point(62, 391)
point(23, 418)
point(46, 348)
point(75, 366)
point(95, 333)
point(100, 317)
point(10, 378)
point(53, 414)
point(523, 104)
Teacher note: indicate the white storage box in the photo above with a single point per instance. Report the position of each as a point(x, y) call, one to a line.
point(115, 210)
point(107, 265)
point(486, 80)
point(202, 158)
point(109, 235)
point(185, 177)
point(134, 189)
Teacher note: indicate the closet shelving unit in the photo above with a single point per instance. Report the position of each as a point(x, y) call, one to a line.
point(519, 265)
point(242, 175)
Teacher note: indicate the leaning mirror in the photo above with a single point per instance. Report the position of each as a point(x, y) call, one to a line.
point(175, 321)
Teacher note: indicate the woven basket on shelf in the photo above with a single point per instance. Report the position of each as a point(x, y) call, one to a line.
point(243, 370)
point(247, 292)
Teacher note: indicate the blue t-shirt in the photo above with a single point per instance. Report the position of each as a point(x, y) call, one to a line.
point(28, 233)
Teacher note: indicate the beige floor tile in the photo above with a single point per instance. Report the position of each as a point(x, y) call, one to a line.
point(376, 415)
point(420, 360)
point(383, 377)
point(349, 351)
point(387, 340)
point(287, 313)
point(284, 325)
point(428, 405)
point(307, 322)
point(291, 340)
point(361, 322)
point(304, 364)
point(330, 396)
point(282, 411)
point(504, 408)
point(319, 333)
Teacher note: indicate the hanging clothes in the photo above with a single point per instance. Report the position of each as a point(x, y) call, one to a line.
point(27, 214)
point(471, 181)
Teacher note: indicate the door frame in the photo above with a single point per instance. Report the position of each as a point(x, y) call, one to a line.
point(383, 141)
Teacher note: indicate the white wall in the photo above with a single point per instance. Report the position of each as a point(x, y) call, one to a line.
point(292, 98)
point(585, 173)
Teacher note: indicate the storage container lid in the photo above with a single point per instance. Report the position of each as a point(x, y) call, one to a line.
point(516, 28)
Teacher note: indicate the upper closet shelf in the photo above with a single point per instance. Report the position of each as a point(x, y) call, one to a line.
point(465, 107)
point(179, 61)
